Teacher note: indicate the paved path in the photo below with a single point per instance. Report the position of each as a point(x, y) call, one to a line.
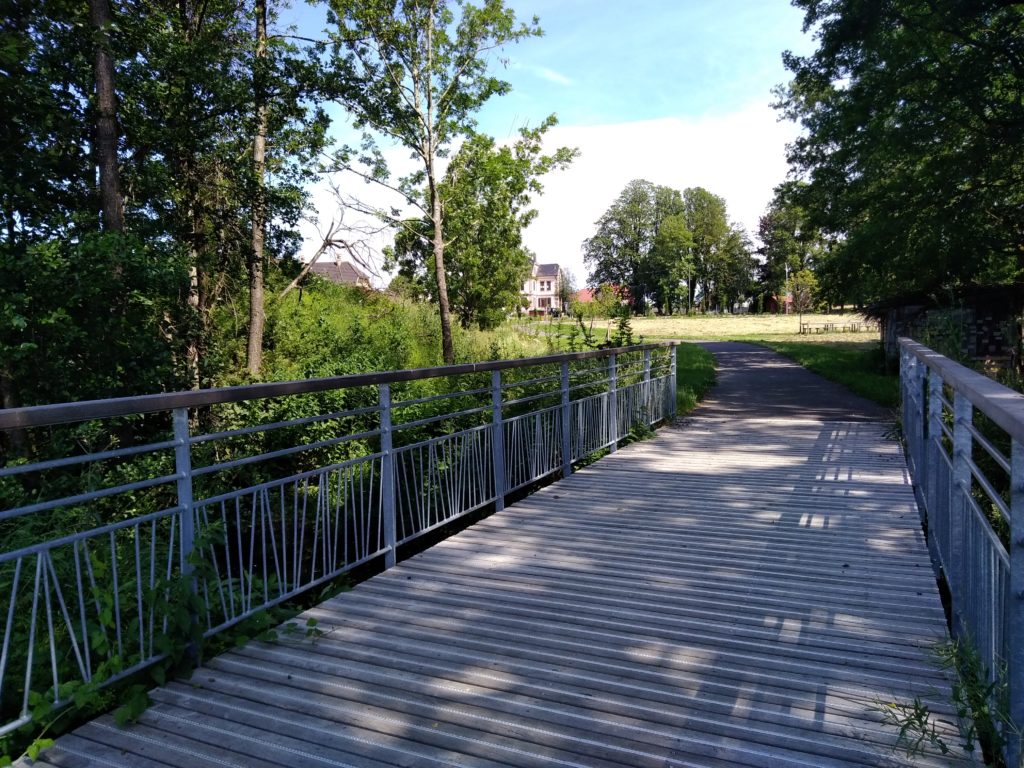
point(742, 590)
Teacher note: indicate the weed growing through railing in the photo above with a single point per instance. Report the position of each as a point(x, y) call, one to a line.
point(918, 731)
point(980, 699)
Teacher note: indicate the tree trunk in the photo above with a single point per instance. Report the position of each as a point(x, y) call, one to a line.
point(111, 200)
point(257, 318)
point(192, 337)
point(447, 345)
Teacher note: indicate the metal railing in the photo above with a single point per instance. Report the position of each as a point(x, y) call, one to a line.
point(129, 524)
point(965, 447)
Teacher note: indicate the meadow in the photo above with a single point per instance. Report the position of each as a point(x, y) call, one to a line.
point(853, 359)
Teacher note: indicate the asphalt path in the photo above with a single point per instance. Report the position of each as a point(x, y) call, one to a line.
point(754, 382)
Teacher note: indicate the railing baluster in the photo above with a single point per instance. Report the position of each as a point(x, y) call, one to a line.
point(183, 468)
point(613, 402)
point(963, 443)
point(566, 423)
point(648, 408)
point(497, 442)
point(387, 477)
point(673, 397)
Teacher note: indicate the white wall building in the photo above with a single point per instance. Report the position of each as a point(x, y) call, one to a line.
point(541, 288)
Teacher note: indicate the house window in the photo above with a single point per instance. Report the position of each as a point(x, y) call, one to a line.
point(545, 285)
point(543, 303)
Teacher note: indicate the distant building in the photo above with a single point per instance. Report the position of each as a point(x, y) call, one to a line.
point(541, 288)
point(585, 295)
point(342, 273)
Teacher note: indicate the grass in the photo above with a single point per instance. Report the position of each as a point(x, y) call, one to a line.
point(695, 375)
point(851, 359)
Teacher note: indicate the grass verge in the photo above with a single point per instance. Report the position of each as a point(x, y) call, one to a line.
point(695, 375)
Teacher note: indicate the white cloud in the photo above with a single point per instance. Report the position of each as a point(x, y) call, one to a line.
point(739, 156)
point(551, 75)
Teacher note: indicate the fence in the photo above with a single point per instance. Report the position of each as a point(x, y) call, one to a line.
point(965, 448)
point(127, 522)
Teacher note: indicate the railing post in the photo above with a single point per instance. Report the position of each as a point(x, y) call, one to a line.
point(648, 410)
point(186, 500)
point(183, 468)
point(497, 442)
point(613, 402)
point(963, 445)
point(387, 478)
point(1014, 607)
point(673, 406)
point(566, 423)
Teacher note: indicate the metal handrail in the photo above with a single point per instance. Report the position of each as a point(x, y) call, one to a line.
point(963, 505)
point(247, 515)
point(63, 413)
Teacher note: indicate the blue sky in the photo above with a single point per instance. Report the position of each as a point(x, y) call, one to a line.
point(674, 91)
point(610, 62)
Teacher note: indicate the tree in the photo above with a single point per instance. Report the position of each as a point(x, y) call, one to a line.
point(789, 242)
point(488, 191)
point(913, 119)
point(410, 72)
point(254, 262)
point(671, 261)
point(804, 287)
point(705, 216)
point(622, 252)
point(112, 202)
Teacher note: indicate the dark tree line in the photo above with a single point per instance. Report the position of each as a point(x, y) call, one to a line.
point(156, 157)
point(672, 250)
point(913, 117)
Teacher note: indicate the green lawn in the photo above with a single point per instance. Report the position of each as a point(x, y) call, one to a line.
point(695, 375)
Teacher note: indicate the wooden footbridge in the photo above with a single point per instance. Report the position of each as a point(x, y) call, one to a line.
point(751, 587)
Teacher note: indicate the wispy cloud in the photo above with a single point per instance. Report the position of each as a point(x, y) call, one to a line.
point(551, 75)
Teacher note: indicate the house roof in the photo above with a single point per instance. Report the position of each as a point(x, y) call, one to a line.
point(340, 272)
point(584, 295)
point(547, 270)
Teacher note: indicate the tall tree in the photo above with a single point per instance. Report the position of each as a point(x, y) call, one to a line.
point(254, 262)
point(706, 219)
point(620, 252)
point(488, 190)
point(112, 203)
point(789, 241)
point(414, 74)
point(913, 116)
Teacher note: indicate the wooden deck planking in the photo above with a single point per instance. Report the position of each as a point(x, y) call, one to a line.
point(731, 593)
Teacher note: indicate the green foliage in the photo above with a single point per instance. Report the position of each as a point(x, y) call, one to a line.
point(414, 74)
point(803, 286)
point(84, 319)
point(673, 248)
point(913, 118)
point(918, 731)
point(488, 190)
point(605, 303)
point(980, 697)
point(790, 244)
point(623, 336)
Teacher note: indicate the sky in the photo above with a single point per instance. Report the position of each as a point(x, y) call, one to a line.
point(676, 92)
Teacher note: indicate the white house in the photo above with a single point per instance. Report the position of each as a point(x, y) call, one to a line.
point(541, 288)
